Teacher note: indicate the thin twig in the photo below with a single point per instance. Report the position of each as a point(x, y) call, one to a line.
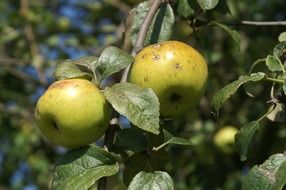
point(255, 23)
point(142, 34)
point(19, 74)
point(30, 36)
point(263, 23)
point(145, 27)
point(7, 61)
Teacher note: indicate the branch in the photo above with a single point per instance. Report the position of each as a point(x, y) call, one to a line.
point(265, 23)
point(109, 135)
point(241, 23)
point(30, 36)
point(142, 34)
point(256, 23)
point(145, 26)
point(8, 61)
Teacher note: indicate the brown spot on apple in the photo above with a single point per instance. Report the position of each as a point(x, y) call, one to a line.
point(178, 66)
point(156, 46)
point(156, 57)
point(194, 68)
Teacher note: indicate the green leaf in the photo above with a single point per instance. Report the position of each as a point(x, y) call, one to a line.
point(89, 62)
point(179, 141)
point(184, 9)
point(174, 140)
point(273, 63)
point(282, 37)
point(208, 4)
point(279, 49)
point(161, 28)
point(151, 181)
point(245, 137)
point(139, 105)
point(271, 175)
point(233, 33)
point(221, 96)
point(132, 139)
point(81, 168)
point(112, 60)
point(68, 70)
point(171, 139)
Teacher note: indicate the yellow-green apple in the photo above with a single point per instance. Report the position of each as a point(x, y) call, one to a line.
point(175, 71)
point(72, 113)
point(224, 138)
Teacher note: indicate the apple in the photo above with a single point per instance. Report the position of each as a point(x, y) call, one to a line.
point(224, 138)
point(63, 23)
point(72, 113)
point(175, 71)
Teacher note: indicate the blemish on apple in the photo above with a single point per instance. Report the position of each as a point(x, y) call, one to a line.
point(178, 66)
point(156, 57)
point(156, 46)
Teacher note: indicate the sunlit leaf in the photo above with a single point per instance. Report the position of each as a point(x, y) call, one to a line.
point(279, 49)
point(208, 4)
point(282, 37)
point(81, 168)
point(68, 70)
point(139, 105)
point(112, 60)
point(271, 175)
point(273, 63)
point(184, 8)
point(161, 28)
point(151, 181)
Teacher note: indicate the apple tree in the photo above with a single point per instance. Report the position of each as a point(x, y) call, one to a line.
point(155, 107)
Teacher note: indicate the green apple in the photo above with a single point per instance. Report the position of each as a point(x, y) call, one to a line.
point(175, 71)
point(72, 113)
point(224, 138)
point(63, 23)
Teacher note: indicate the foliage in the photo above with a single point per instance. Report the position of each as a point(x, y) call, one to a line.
point(89, 39)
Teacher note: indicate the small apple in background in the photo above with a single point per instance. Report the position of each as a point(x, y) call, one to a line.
point(224, 138)
point(64, 23)
point(175, 71)
point(72, 113)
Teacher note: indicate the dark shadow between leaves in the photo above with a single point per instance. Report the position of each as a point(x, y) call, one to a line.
point(72, 155)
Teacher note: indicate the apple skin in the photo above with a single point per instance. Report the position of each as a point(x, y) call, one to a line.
point(72, 113)
point(175, 71)
point(224, 138)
